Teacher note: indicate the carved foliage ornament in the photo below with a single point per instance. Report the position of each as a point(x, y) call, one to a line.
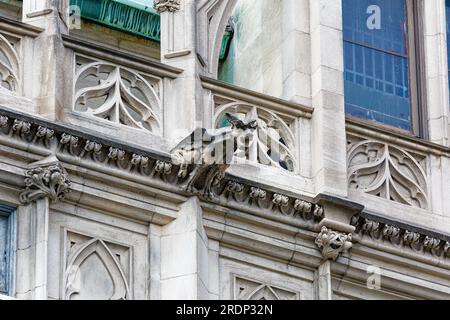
point(388, 172)
point(51, 181)
point(166, 5)
point(333, 243)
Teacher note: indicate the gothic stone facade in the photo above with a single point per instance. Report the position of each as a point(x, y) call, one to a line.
point(101, 209)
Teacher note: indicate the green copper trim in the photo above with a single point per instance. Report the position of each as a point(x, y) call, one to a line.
point(125, 15)
point(226, 43)
point(134, 16)
point(146, 5)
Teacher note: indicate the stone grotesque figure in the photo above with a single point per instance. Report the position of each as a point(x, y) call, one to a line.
point(204, 156)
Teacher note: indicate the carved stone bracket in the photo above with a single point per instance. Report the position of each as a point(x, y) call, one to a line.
point(333, 243)
point(46, 178)
point(166, 5)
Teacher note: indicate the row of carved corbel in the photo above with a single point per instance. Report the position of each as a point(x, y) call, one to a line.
point(401, 237)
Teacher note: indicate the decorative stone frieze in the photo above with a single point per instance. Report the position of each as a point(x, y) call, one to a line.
point(45, 180)
point(333, 243)
point(403, 236)
point(166, 5)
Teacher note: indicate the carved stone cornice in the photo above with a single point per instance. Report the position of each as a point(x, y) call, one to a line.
point(333, 243)
point(166, 5)
point(211, 185)
point(403, 236)
point(45, 178)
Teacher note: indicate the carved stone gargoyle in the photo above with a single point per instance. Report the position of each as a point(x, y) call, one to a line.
point(204, 156)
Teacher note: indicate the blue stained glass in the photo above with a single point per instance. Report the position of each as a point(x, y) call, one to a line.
point(447, 10)
point(376, 62)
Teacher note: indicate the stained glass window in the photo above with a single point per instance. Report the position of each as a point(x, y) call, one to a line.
point(376, 61)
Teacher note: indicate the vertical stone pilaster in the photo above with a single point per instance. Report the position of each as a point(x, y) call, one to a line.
point(296, 51)
point(328, 134)
point(434, 23)
point(183, 96)
point(184, 256)
point(324, 289)
point(46, 63)
point(45, 181)
point(32, 250)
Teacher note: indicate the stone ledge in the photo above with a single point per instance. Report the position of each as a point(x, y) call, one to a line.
point(19, 28)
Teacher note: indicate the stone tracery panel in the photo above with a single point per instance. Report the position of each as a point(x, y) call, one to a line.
point(118, 94)
point(388, 172)
point(273, 143)
point(246, 289)
point(9, 66)
point(96, 269)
